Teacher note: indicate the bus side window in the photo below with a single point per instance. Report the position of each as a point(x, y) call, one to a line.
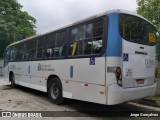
point(50, 43)
point(32, 50)
point(87, 47)
point(23, 51)
point(62, 50)
point(73, 49)
point(77, 37)
point(60, 44)
point(41, 47)
point(25, 54)
point(19, 51)
point(94, 33)
point(6, 56)
point(13, 52)
point(97, 45)
point(86, 39)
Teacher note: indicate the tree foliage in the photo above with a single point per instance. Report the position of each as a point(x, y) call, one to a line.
point(15, 24)
point(150, 9)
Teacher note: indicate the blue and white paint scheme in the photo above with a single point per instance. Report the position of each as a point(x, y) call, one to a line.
point(124, 71)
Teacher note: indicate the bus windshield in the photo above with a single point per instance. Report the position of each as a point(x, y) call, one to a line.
point(137, 30)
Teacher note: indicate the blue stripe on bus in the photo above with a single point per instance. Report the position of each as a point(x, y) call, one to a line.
point(71, 71)
point(114, 41)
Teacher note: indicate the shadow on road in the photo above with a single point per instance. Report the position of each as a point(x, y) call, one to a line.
point(76, 104)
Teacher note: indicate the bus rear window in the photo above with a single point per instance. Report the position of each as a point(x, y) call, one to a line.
point(137, 30)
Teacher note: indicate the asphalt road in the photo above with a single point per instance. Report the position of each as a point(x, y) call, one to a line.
point(25, 99)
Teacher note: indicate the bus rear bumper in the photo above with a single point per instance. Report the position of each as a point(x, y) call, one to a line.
point(117, 95)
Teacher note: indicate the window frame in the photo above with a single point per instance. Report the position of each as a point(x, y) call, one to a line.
point(11, 47)
point(67, 30)
point(30, 49)
point(19, 51)
point(119, 19)
point(26, 51)
point(66, 42)
point(105, 20)
point(44, 47)
point(6, 61)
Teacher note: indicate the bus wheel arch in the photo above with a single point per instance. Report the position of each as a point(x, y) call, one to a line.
point(12, 79)
point(54, 89)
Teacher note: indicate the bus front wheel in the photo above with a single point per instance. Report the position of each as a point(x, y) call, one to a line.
point(12, 80)
point(54, 90)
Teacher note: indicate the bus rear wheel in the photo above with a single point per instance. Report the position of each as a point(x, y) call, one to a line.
point(54, 90)
point(12, 80)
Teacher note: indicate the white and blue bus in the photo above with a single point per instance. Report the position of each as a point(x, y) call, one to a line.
point(107, 59)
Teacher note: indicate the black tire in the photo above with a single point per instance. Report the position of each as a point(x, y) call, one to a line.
point(12, 80)
point(54, 90)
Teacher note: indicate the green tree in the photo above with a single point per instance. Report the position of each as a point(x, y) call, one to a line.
point(15, 24)
point(150, 9)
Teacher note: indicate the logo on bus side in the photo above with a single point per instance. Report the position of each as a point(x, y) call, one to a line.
point(43, 67)
point(129, 72)
point(149, 62)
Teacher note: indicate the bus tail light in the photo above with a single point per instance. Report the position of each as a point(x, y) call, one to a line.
point(118, 76)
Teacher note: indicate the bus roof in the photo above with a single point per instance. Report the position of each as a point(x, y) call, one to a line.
point(83, 20)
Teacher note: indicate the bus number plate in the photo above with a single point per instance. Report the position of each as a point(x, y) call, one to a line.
point(140, 81)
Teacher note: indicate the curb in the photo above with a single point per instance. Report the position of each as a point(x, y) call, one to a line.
point(144, 106)
point(149, 102)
